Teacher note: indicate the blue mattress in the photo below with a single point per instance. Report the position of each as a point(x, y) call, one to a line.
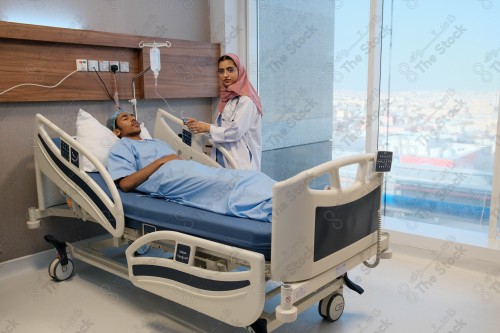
point(142, 210)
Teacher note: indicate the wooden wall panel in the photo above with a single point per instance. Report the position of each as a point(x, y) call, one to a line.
point(191, 71)
point(35, 62)
point(45, 55)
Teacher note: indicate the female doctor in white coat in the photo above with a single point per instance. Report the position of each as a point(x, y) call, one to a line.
point(238, 124)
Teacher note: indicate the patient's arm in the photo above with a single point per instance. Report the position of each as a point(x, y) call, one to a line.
point(137, 178)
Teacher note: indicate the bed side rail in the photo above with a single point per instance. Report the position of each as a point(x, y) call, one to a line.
point(198, 141)
point(235, 297)
point(315, 230)
point(64, 169)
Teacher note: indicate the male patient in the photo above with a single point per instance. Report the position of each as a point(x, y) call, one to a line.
point(151, 166)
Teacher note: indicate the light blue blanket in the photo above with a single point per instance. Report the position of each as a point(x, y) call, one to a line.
point(241, 193)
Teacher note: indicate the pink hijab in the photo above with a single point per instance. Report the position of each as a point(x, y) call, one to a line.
point(242, 87)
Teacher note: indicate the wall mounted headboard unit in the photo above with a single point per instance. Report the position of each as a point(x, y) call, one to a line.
point(44, 55)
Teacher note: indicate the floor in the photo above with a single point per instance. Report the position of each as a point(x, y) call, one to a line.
point(408, 293)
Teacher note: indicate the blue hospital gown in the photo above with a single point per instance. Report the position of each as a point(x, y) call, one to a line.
point(241, 193)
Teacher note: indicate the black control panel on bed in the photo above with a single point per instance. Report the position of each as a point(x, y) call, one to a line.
point(383, 161)
point(182, 253)
point(186, 137)
point(65, 150)
point(75, 157)
point(70, 154)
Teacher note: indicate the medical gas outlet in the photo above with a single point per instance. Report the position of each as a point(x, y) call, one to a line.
point(81, 65)
point(84, 65)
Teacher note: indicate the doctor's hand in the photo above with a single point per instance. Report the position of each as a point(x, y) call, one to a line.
point(196, 126)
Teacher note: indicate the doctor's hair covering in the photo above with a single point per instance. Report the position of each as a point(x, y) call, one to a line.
point(242, 86)
point(225, 57)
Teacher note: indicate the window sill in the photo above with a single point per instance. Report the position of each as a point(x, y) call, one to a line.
point(426, 240)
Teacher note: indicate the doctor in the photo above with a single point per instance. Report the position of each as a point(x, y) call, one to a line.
point(238, 124)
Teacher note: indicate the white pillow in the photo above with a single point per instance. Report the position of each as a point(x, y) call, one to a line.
point(97, 138)
point(94, 136)
point(145, 133)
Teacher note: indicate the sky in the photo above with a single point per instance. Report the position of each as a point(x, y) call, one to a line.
point(426, 44)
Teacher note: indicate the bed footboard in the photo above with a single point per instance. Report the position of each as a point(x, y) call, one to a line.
point(60, 175)
point(315, 230)
point(235, 297)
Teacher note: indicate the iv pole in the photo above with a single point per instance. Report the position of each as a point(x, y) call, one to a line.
point(155, 62)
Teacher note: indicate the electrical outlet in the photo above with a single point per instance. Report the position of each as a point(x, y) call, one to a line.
point(124, 68)
point(81, 65)
point(93, 65)
point(116, 63)
point(103, 65)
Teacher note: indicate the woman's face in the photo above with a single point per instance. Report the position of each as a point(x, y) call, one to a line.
point(228, 72)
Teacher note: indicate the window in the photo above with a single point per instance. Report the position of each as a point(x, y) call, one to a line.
point(439, 98)
point(439, 110)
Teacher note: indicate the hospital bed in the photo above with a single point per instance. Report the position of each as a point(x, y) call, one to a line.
point(228, 268)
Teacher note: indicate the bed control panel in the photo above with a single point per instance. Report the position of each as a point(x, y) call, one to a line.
point(383, 161)
point(186, 137)
point(182, 253)
point(70, 154)
point(75, 158)
point(65, 150)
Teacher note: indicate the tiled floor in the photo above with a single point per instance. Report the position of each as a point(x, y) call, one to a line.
point(404, 294)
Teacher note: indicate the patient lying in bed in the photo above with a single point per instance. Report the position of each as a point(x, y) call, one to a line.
point(151, 166)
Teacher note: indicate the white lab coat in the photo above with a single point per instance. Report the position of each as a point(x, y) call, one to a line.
point(240, 132)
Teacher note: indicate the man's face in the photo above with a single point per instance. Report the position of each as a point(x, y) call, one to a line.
point(126, 125)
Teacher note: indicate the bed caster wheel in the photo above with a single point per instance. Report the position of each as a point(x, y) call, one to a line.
point(59, 272)
point(331, 307)
point(260, 326)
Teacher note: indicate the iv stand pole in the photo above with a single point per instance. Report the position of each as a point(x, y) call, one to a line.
point(134, 100)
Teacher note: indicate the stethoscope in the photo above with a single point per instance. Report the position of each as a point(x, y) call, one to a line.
point(233, 115)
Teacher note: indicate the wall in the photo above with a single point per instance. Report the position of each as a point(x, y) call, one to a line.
point(179, 19)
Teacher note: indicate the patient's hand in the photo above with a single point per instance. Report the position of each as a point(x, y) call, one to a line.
point(130, 182)
point(168, 158)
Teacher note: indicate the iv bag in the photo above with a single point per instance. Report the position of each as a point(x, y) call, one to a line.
point(154, 58)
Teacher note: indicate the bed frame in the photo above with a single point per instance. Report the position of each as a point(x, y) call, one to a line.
point(317, 236)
